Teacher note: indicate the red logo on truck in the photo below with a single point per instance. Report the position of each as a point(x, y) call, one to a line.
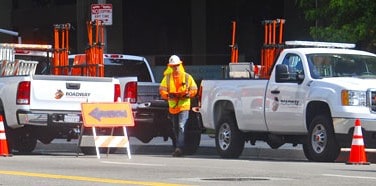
point(59, 94)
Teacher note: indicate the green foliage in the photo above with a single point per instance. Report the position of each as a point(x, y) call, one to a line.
point(342, 21)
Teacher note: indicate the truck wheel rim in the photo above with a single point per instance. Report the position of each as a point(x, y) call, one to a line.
point(224, 137)
point(319, 138)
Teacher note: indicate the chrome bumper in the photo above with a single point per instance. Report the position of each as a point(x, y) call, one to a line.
point(344, 125)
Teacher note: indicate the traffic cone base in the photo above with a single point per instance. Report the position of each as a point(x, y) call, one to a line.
point(358, 156)
point(4, 150)
point(357, 152)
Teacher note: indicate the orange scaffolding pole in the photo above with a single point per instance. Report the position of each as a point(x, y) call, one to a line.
point(61, 49)
point(234, 47)
point(101, 47)
point(94, 53)
point(281, 22)
point(271, 46)
point(56, 54)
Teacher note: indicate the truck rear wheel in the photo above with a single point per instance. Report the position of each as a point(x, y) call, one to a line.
point(229, 139)
point(192, 134)
point(92, 151)
point(23, 140)
point(321, 145)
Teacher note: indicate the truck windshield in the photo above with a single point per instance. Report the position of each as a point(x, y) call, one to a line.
point(125, 67)
point(341, 65)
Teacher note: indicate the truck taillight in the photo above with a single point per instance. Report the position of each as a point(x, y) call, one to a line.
point(199, 95)
point(23, 93)
point(130, 92)
point(117, 92)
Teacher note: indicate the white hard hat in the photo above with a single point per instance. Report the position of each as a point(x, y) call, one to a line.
point(174, 60)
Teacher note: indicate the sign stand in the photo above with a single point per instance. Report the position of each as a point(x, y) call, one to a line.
point(106, 115)
point(111, 141)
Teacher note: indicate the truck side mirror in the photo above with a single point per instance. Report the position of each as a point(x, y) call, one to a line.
point(281, 73)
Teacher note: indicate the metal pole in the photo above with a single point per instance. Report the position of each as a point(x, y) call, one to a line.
point(9, 32)
point(13, 33)
point(104, 30)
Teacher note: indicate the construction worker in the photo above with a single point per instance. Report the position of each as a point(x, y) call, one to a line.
point(178, 87)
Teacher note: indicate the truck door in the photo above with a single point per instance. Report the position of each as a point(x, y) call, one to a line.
point(284, 106)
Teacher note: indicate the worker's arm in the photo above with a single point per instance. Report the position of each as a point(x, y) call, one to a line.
point(163, 91)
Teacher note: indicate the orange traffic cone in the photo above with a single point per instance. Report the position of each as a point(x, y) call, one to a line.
point(357, 152)
point(4, 151)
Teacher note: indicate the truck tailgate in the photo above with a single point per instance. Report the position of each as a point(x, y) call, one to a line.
point(68, 92)
point(147, 91)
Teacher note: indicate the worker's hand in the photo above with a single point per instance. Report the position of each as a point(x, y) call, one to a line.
point(183, 95)
point(171, 96)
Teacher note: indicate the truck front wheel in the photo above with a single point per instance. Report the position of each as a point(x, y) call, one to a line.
point(229, 139)
point(321, 145)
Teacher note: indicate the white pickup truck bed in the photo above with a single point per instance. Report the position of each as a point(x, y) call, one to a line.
point(44, 107)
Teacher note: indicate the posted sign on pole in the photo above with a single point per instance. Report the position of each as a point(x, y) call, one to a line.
point(102, 12)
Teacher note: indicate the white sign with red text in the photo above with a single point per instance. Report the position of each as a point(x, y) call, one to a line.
point(102, 12)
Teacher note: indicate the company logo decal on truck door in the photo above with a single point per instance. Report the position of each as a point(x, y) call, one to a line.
point(275, 104)
point(289, 102)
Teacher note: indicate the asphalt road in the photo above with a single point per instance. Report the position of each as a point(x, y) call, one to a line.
point(151, 164)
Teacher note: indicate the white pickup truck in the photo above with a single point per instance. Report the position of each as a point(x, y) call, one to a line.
point(43, 107)
point(139, 88)
point(313, 97)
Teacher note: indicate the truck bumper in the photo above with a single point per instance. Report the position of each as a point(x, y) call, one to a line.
point(151, 120)
point(143, 117)
point(150, 112)
point(344, 125)
point(47, 119)
point(344, 129)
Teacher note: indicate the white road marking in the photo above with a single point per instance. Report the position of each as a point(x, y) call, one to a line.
point(345, 176)
point(141, 164)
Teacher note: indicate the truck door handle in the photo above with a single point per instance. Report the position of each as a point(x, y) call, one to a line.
point(75, 86)
point(275, 91)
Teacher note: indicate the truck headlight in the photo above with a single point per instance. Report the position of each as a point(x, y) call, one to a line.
point(353, 98)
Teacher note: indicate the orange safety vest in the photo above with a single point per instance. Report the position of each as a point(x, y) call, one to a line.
point(180, 86)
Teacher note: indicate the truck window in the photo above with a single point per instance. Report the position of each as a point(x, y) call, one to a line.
point(294, 64)
point(342, 65)
point(124, 67)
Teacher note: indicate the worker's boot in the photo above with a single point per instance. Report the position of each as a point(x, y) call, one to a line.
point(177, 153)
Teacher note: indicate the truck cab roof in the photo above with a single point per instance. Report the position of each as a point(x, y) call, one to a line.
point(122, 65)
point(312, 50)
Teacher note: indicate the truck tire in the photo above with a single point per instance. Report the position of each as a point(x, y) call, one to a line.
point(23, 140)
point(192, 134)
point(321, 145)
point(92, 151)
point(88, 150)
point(192, 142)
point(229, 139)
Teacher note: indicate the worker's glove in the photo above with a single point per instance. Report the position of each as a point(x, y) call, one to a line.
point(186, 96)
